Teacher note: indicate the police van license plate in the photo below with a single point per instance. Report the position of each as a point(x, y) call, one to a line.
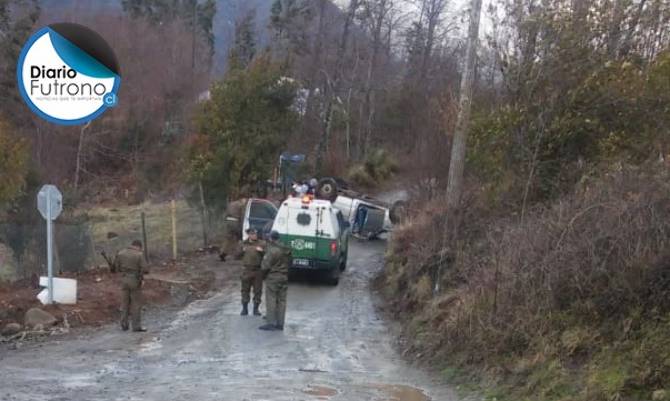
point(301, 262)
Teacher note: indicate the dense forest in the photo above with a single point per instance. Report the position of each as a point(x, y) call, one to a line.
point(549, 275)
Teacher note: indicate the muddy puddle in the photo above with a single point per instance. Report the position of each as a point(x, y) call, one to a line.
point(399, 392)
point(322, 392)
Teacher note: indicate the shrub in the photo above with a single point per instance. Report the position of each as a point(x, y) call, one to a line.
point(377, 167)
point(563, 284)
point(13, 163)
point(358, 175)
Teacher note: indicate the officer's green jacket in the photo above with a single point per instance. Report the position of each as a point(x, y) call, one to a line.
point(130, 262)
point(276, 260)
point(251, 253)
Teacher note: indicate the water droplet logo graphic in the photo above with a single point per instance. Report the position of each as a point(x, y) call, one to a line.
point(67, 74)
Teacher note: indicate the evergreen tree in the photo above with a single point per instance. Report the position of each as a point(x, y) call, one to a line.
point(198, 15)
point(242, 129)
point(289, 20)
point(244, 47)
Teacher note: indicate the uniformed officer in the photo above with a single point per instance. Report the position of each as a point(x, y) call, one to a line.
point(275, 270)
point(232, 229)
point(130, 263)
point(251, 251)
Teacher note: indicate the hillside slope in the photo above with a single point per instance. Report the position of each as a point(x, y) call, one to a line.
point(570, 303)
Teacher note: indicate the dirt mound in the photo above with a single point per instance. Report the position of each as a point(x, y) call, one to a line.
point(99, 297)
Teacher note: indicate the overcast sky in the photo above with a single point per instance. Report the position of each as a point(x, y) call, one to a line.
point(456, 8)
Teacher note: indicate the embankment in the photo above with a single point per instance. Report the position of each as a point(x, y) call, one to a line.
point(569, 302)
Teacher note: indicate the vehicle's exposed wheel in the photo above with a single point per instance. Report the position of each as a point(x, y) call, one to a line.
point(343, 265)
point(398, 211)
point(327, 189)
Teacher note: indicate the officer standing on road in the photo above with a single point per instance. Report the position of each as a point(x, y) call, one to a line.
point(130, 263)
point(251, 251)
point(232, 228)
point(275, 269)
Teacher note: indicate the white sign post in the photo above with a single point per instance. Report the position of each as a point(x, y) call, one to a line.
point(50, 205)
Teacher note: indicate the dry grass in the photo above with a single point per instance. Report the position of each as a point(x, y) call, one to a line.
point(123, 224)
point(559, 289)
point(378, 167)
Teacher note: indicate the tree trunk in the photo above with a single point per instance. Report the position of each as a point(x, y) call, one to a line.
point(614, 36)
point(314, 67)
point(334, 86)
point(80, 148)
point(348, 124)
point(369, 82)
point(458, 148)
point(203, 215)
point(433, 12)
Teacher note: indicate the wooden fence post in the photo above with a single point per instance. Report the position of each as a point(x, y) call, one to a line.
point(203, 215)
point(145, 248)
point(173, 207)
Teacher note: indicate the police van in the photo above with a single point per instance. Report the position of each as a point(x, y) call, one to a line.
point(317, 233)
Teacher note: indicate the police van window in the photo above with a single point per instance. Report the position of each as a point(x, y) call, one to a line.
point(262, 210)
point(304, 219)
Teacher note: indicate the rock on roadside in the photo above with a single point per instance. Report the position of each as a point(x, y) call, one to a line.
point(37, 317)
point(10, 329)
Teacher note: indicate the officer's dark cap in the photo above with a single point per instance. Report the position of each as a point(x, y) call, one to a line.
point(251, 230)
point(274, 236)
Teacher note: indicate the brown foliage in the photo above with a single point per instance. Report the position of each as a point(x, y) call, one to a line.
point(159, 88)
point(591, 267)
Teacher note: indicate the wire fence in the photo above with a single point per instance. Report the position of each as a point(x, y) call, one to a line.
point(164, 227)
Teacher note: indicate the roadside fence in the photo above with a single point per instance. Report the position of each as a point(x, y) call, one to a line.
point(168, 230)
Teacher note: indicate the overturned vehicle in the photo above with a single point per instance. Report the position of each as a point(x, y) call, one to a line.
point(369, 217)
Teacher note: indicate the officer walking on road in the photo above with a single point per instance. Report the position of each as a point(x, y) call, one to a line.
point(275, 269)
point(251, 251)
point(130, 263)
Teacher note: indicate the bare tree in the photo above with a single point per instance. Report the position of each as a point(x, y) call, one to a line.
point(376, 14)
point(333, 84)
point(315, 64)
point(458, 148)
point(433, 11)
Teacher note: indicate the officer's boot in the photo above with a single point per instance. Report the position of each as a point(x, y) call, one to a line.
point(257, 312)
point(245, 310)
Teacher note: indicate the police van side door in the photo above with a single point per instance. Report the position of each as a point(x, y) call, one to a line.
point(259, 214)
point(345, 231)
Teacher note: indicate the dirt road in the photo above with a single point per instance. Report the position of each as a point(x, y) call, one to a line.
point(334, 347)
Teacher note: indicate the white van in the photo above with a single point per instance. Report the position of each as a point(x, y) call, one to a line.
point(367, 219)
point(317, 233)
